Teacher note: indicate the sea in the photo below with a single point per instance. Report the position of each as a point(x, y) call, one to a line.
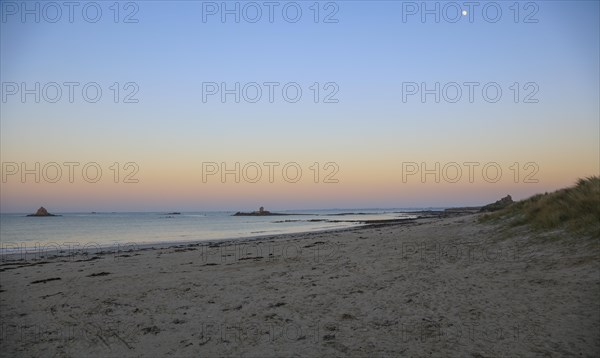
point(19, 232)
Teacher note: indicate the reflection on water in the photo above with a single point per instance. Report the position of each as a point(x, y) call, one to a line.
point(106, 229)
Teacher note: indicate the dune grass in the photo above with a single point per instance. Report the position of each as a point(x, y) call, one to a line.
point(576, 208)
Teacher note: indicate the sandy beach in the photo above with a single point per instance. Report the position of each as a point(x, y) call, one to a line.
point(432, 287)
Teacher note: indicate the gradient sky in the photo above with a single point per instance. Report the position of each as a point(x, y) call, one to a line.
point(369, 53)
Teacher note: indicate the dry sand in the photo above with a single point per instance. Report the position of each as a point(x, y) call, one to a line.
point(435, 287)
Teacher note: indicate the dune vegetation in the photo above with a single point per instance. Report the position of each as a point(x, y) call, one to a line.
point(575, 208)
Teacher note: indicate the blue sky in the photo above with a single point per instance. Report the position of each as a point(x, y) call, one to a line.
point(368, 53)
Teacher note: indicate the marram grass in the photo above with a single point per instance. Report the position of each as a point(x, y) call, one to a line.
point(575, 208)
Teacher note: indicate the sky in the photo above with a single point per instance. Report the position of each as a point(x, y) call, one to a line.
point(196, 105)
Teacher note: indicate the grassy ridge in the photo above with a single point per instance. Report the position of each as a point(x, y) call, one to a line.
point(576, 208)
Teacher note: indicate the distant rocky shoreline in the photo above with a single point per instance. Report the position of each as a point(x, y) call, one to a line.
point(500, 204)
point(261, 212)
point(239, 213)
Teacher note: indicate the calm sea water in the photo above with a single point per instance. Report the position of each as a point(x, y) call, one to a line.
point(107, 229)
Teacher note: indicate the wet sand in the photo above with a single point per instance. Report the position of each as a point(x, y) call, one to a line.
point(430, 287)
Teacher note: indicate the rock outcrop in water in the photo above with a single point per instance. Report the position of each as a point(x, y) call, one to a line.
point(42, 212)
point(500, 204)
point(260, 212)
